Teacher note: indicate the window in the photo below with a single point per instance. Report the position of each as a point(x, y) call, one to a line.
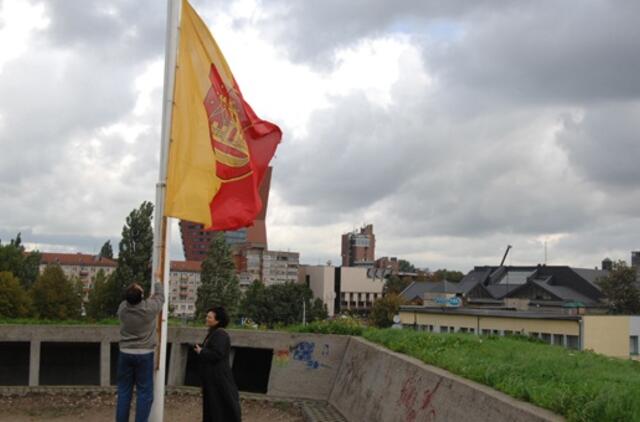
point(633, 345)
point(546, 337)
point(463, 330)
point(573, 342)
point(558, 339)
point(486, 332)
point(444, 329)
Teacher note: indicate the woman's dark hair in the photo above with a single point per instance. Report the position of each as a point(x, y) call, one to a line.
point(133, 294)
point(221, 315)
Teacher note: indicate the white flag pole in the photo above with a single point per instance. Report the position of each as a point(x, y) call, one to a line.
point(160, 263)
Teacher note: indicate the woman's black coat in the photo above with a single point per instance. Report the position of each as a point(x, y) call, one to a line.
point(220, 399)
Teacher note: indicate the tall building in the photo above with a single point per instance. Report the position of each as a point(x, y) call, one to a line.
point(196, 241)
point(269, 267)
point(358, 247)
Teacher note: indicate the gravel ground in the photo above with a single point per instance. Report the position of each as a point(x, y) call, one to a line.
point(101, 407)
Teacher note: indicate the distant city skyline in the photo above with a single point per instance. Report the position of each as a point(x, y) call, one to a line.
point(455, 128)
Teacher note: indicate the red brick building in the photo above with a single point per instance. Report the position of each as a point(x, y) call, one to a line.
point(358, 247)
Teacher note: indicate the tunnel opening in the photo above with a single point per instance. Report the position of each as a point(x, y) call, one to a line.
point(14, 362)
point(69, 363)
point(250, 366)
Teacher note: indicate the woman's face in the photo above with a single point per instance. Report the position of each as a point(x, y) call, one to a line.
point(211, 319)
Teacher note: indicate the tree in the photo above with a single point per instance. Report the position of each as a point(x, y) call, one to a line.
point(106, 251)
point(384, 309)
point(134, 257)
point(281, 304)
point(406, 267)
point(219, 282)
point(444, 274)
point(254, 303)
point(54, 296)
point(14, 300)
point(97, 304)
point(395, 285)
point(621, 290)
point(24, 265)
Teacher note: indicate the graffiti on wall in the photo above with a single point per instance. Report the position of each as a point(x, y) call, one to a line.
point(413, 402)
point(304, 352)
point(281, 358)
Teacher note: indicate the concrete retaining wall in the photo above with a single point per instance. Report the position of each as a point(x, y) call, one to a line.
point(375, 384)
point(303, 365)
point(365, 382)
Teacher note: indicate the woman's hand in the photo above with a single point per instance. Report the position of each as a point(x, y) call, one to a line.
point(197, 348)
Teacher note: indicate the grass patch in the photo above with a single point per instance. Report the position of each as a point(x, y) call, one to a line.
point(345, 326)
point(581, 386)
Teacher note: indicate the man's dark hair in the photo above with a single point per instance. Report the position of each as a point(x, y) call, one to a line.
point(221, 315)
point(133, 295)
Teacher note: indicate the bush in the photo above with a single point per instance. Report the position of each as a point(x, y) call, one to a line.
point(341, 325)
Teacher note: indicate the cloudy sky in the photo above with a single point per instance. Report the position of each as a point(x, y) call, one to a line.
point(456, 128)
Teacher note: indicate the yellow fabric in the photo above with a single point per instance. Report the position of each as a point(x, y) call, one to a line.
point(191, 173)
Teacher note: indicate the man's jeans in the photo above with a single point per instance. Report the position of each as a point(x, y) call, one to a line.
point(136, 369)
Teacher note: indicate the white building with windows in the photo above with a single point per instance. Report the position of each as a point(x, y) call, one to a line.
point(184, 280)
point(343, 289)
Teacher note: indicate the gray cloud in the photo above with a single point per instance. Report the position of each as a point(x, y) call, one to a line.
point(605, 145)
point(528, 130)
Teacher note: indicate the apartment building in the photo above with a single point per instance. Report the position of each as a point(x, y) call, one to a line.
point(184, 280)
point(83, 267)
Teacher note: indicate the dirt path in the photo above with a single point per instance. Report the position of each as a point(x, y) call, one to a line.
point(101, 407)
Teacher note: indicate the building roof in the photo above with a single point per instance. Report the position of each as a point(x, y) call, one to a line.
point(187, 266)
point(48, 258)
point(562, 282)
point(419, 288)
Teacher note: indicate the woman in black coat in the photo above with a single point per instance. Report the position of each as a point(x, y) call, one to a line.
point(220, 398)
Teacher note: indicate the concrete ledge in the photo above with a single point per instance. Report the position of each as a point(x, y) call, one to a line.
point(376, 384)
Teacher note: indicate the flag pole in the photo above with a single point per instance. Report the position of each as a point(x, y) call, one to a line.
point(160, 262)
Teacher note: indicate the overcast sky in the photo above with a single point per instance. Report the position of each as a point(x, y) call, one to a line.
point(455, 128)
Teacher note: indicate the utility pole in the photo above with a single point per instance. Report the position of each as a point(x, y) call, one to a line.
point(304, 312)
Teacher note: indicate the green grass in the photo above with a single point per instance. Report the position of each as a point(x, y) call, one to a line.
point(347, 326)
point(582, 386)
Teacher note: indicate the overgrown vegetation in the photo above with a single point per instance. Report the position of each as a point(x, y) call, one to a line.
point(582, 386)
point(345, 326)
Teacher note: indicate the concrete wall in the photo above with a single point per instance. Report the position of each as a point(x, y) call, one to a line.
point(375, 384)
point(607, 334)
point(303, 365)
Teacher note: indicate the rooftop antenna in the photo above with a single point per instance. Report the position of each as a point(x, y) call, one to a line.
point(505, 255)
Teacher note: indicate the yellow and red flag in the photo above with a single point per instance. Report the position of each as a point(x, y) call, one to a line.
point(219, 148)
